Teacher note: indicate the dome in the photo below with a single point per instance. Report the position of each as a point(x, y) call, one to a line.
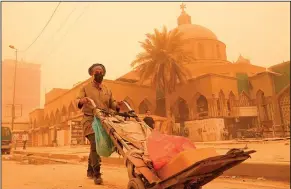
point(193, 31)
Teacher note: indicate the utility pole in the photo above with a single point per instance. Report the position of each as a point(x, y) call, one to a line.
point(14, 87)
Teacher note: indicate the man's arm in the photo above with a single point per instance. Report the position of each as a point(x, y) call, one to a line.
point(80, 97)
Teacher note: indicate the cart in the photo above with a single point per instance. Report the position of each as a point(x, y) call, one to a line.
point(129, 135)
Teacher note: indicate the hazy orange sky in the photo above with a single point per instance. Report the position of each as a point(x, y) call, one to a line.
point(109, 33)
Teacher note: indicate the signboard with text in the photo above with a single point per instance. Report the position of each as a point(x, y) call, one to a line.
point(250, 111)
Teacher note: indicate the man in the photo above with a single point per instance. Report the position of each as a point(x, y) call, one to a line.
point(103, 99)
point(149, 120)
point(24, 139)
point(225, 134)
point(15, 137)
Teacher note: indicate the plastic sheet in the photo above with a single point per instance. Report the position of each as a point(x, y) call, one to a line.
point(162, 148)
point(104, 144)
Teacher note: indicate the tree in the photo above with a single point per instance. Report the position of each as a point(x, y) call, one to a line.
point(162, 61)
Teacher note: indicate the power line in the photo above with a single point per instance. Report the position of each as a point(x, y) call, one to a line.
point(59, 29)
point(47, 23)
point(64, 36)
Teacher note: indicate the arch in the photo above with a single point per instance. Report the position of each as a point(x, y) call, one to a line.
point(244, 100)
point(52, 118)
point(230, 101)
point(34, 123)
point(180, 109)
point(64, 111)
point(47, 120)
point(71, 107)
point(201, 51)
point(130, 102)
point(194, 112)
point(284, 104)
point(262, 106)
point(58, 116)
point(202, 106)
point(144, 106)
point(220, 102)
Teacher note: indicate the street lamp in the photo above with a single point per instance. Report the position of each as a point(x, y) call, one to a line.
point(14, 86)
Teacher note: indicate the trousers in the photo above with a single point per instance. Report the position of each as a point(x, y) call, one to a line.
point(94, 160)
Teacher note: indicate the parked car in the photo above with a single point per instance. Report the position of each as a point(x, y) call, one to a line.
point(6, 140)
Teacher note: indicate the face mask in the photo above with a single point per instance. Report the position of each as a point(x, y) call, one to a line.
point(98, 77)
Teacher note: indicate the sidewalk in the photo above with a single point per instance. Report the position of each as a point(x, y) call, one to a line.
point(272, 160)
point(267, 152)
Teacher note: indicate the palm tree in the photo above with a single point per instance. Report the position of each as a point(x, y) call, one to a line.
point(162, 61)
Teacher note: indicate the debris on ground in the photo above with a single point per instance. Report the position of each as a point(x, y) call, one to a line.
point(261, 178)
point(7, 157)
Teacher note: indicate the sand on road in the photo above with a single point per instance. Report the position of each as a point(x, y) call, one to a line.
point(16, 175)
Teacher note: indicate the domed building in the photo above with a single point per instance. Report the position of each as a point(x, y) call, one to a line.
point(220, 94)
point(202, 42)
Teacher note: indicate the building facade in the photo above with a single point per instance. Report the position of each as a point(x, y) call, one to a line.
point(236, 95)
point(27, 91)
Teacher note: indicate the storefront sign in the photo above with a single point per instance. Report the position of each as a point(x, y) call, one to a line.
point(250, 111)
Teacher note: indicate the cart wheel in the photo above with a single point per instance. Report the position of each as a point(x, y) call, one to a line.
point(135, 183)
point(193, 187)
point(130, 170)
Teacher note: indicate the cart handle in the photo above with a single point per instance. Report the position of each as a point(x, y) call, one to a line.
point(129, 114)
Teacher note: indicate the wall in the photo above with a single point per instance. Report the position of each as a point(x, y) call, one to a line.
point(36, 118)
point(261, 82)
point(224, 84)
point(205, 130)
point(133, 93)
point(54, 93)
point(27, 90)
point(227, 69)
point(281, 81)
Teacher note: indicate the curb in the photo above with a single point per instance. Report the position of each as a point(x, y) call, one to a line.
point(71, 157)
point(272, 171)
point(243, 142)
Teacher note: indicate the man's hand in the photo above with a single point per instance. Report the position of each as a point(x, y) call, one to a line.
point(84, 100)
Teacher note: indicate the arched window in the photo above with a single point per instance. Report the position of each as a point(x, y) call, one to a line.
point(202, 106)
point(183, 109)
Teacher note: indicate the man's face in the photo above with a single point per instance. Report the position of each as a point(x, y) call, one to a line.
point(148, 112)
point(97, 69)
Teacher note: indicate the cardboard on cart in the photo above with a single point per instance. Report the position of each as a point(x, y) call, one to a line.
point(184, 160)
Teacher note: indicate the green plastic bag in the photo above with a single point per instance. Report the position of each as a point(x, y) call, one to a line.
point(104, 144)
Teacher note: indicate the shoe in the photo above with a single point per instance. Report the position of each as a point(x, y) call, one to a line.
point(89, 174)
point(98, 180)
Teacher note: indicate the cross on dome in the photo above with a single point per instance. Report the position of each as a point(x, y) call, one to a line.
point(183, 7)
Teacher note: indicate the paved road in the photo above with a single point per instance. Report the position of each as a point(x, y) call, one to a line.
point(17, 175)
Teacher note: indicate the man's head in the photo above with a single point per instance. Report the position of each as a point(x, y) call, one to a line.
point(148, 112)
point(97, 71)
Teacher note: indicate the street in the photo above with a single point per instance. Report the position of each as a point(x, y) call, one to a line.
point(22, 175)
